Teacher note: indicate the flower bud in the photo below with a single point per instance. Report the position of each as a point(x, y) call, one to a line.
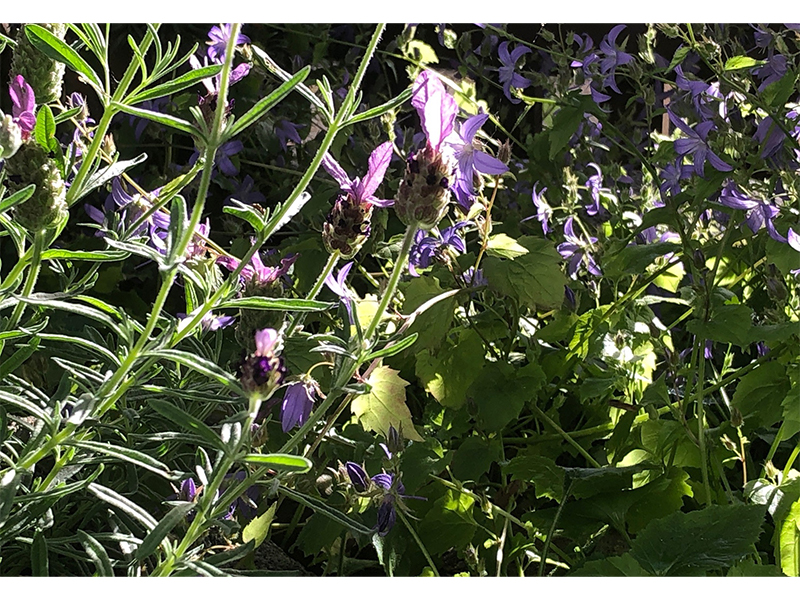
point(47, 206)
point(10, 137)
point(737, 420)
point(358, 476)
point(347, 226)
point(424, 193)
point(42, 73)
point(263, 371)
point(504, 152)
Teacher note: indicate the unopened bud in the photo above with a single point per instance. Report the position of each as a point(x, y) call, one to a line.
point(736, 418)
point(10, 137)
point(504, 152)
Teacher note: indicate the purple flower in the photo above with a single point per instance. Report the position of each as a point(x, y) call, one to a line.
point(222, 158)
point(286, 130)
point(793, 240)
point(297, 404)
point(470, 158)
point(772, 137)
point(156, 105)
point(358, 476)
point(337, 286)
point(188, 490)
point(697, 146)
point(474, 279)
point(212, 84)
point(586, 54)
point(23, 105)
point(427, 247)
point(436, 108)
point(772, 71)
point(543, 210)
point(762, 37)
point(760, 213)
point(220, 34)
point(576, 249)
point(593, 184)
point(507, 74)
point(257, 271)
point(672, 175)
point(613, 57)
point(245, 193)
point(363, 191)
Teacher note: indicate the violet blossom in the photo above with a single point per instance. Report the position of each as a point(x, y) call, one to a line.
point(576, 249)
point(23, 108)
point(337, 286)
point(772, 137)
point(285, 131)
point(696, 146)
point(298, 400)
point(256, 271)
point(220, 34)
point(507, 73)
point(470, 158)
point(759, 212)
point(771, 72)
point(363, 191)
point(613, 58)
point(793, 239)
point(672, 175)
point(543, 210)
point(593, 184)
point(246, 193)
point(427, 247)
point(436, 108)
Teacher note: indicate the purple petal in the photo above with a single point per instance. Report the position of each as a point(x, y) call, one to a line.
point(471, 126)
point(381, 203)
point(425, 86)
point(489, 165)
point(718, 163)
point(335, 170)
point(793, 239)
point(378, 163)
point(265, 341)
point(517, 53)
point(438, 118)
point(502, 52)
point(239, 73)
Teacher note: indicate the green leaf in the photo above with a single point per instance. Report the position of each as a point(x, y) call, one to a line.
point(637, 257)
point(691, 543)
point(201, 365)
point(613, 566)
point(72, 307)
point(748, 568)
point(448, 373)
point(9, 484)
point(97, 553)
point(58, 50)
point(432, 325)
point(382, 109)
point(741, 62)
point(777, 93)
point(162, 118)
point(40, 564)
point(176, 85)
point(449, 523)
point(106, 174)
point(390, 349)
point(589, 482)
point(125, 454)
point(678, 57)
point(17, 198)
point(730, 324)
point(188, 422)
point(789, 541)
point(16, 360)
point(289, 304)
point(331, 513)
point(542, 472)
point(90, 255)
point(26, 405)
point(266, 104)
point(759, 395)
point(421, 52)
point(385, 405)
point(503, 246)
point(127, 506)
point(257, 530)
point(177, 227)
point(534, 278)
point(280, 462)
point(474, 457)
point(565, 124)
point(500, 392)
point(45, 130)
point(160, 531)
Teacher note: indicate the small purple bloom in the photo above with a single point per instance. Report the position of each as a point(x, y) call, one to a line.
point(760, 212)
point(771, 72)
point(543, 210)
point(188, 490)
point(696, 146)
point(358, 476)
point(613, 57)
point(157, 105)
point(363, 190)
point(470, 158)
point(337, 286)
point(220, 34)
point(257, 271)
point(297, 404)
point(772, 137)
point(286, 130)
point(576, 249)
point(245, 505)
point(474, 279)
point(212, 84)
point(246, 194)
point(672, 175)
point(507, 74)
point(23, 105)
point(427, 247)
point(593, 184)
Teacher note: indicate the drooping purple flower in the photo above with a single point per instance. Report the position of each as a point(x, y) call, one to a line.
point(188, 490)
point(23, 108)
point(576, 250)
point(246, 194)
point(507, 73)
point(219, 36)
point(472, 159)
point(759, 212)
point(363, 191)
point(297, 404)
point(222, 158)
point(771, 72)
point(696, 146)
point(586, 54)
point(772, 137)
point(337, 286)
point(358, 476)
point(212, 322)
point(245, 505)
point(474, 279)
point(286, 130)
point(613, 57)
point(543, 210)
point(427, 247)
point(257, 271)
point(436, 108)
point(762, 37)
point(672, 175)
point(593, 184)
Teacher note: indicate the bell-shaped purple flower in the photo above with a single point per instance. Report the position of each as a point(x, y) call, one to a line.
point(576, 250)
point(793, 239)
point(771, 72)
point(470, 157)
point(286, 131)
point(696, 146)
point(297, 404)
point(427, 247)
point(507, 73)
point(219, 36)
point(246, 193)
point(613, 57)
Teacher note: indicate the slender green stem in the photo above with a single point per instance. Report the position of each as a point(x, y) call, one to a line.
point(792, 457)
point(399, 265)
point(347, 105)
point(30, 283)
point(297, 320)
point(589, 458)
point(422, 547)
point(551, 533)
point(701, 434)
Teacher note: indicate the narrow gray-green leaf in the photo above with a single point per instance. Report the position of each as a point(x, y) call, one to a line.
point(126, 454)
point(265, 104)
point(25, 405)
point(97, 348)
point(57, 49)
point(203, 568)
point(176, 85)
point(372, 113)
point(188, 422)
point(391, 350)
point(17, 198)
point(16, 360)
point(40, 564)
point(320, 507)
point(129, 507)
point(163, 119)
point(97, 553)
point(78, 309)
point(263, 303)
point(201, 365)
point(9, 484)
point(103, 176)
point(90, 255)
point(160, 531)
point(280, 462)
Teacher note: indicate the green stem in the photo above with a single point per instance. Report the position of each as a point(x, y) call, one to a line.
point(30, 283)
point(792, 457)
point(701, 434)
point(590, 459)
point(422, 547)
point(399, 265)
point(551, 533)
point(297, 320)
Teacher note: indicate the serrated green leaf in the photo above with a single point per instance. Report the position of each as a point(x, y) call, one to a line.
point(385, 405)
point(449, 523)
point(448, 373)
point(691, 543)
point(565, 124)
point(678, 57)
point(503, 246)
point(730, 324)
point(433, 324)
point(542, 472)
